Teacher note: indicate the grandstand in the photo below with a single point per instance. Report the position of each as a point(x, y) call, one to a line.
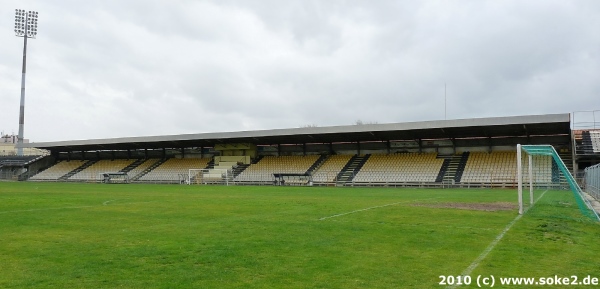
point(586, 149)
point(94, 169)
point(328, 172)
point(143, 166)
point(173, 170)
point(404, 169)
point(399, 168)
point(59, 170)
point(595, 140)
point(263, 171)
point(469, 153)
point(491, 168)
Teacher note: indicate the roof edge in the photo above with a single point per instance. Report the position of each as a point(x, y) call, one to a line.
point(455, 123)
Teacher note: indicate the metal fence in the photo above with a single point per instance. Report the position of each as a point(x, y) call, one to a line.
point(592, 181)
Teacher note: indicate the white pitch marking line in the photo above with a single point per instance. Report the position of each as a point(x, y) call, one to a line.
point(487, 250)
point(106, 203)
point(375, 207)
point(493, 244)
point(64, 208)
point(45, 209)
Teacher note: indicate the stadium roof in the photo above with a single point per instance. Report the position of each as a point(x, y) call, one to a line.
point(531, 125)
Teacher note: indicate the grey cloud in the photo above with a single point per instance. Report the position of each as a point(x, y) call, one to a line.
point(126, 68)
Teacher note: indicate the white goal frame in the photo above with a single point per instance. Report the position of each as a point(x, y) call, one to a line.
point(209, 176)
point(563, 172)
point(520, 178)
point(113, 177)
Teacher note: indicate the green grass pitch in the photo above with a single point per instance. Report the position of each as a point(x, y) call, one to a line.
point(66, 235)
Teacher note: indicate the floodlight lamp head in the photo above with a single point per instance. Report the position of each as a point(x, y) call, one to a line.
point(26, 23)
point(19, 23)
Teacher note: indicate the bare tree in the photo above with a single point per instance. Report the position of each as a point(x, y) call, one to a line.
point(360, 122)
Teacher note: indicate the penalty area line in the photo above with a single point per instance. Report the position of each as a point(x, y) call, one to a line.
point(45, 209)
point(109, 201)
point(370, 208)
point(74, 207)
point(493, 244)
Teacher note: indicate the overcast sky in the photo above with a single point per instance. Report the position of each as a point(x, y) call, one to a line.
point(119, 68)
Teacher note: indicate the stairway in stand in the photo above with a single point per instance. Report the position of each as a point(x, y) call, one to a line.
point(149, 169)
point(132, 166)
point(79, 169)
point(452, 169)
point(351, 169)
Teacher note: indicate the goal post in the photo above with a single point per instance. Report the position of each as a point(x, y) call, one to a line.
point(209, 176)
point(540, 168)
point(113, 177)
point(520, 178)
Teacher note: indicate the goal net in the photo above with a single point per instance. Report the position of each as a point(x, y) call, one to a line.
point(210, 177)
point(543, 179)
point(113, 178)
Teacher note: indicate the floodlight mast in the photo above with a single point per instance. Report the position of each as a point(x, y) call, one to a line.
point(26, 27)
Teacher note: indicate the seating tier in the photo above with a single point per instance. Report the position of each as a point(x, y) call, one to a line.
point(92, 173)
point(330, 168)
point(595, 137)
point(58, 170)
point(483, 167)
point(400, 168)
point(263, 170)
point(172, 170)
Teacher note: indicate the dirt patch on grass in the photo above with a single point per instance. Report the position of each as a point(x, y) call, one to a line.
point(489, 207)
